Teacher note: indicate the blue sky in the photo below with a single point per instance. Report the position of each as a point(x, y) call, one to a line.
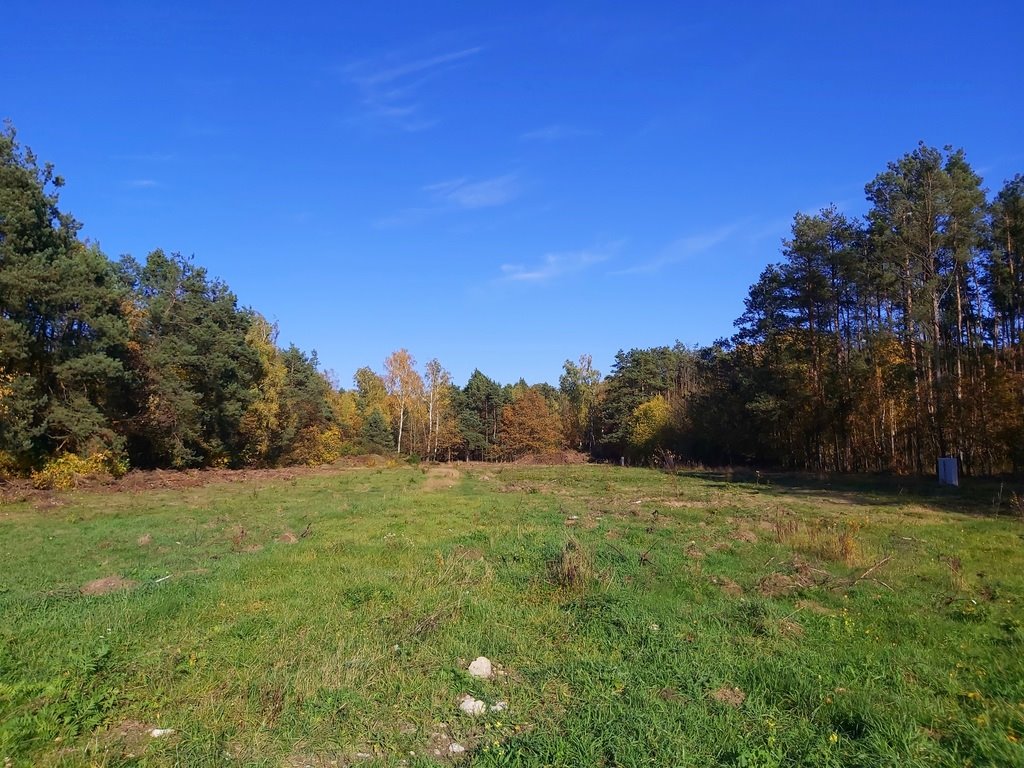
point(501, 186)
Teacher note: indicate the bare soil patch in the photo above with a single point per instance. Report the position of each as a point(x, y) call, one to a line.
point(732, 697)
point(107, 585)
point(128, 736)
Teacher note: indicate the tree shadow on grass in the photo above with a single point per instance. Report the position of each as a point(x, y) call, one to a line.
point(988, 497)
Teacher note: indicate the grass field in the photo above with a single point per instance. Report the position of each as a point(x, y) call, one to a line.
point(635, 619)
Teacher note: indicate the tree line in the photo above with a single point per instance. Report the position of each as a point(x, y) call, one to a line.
point(876, 343)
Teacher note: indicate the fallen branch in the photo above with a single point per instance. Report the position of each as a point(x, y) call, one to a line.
point(872, 569)
point(794, 613)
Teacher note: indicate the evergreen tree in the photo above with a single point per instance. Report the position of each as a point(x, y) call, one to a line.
point(62, 335)
point(195, 374)
point(376, 434)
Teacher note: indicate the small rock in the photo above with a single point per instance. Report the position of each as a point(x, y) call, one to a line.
point(456, 749)
point(481, 667)
point(158, 733)
point(472, 707)
point(500, 706)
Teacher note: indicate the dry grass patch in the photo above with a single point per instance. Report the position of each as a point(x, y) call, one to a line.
point(440, 478)
point(572, 568)
point(727, 585)
point(106, 585)
point(835, 541)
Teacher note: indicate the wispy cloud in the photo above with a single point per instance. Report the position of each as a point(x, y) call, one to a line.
point(485, 193)
point(389, 85)
point(142, 183)
point(684, 248)
point(463, 194)
point(556, 132)
point(558, 264)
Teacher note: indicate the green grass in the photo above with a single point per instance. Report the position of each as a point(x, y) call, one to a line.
point(621, 605)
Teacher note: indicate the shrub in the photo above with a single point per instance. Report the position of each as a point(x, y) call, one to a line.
point(64, 472)
point(314, 446)
point(8, 465)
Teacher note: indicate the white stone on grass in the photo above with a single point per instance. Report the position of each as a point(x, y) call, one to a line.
point(472, 707)
point(157, 733)
point(456, 749)
point(481, 667)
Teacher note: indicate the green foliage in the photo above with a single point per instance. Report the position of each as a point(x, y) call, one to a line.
point(63, 708)
point(579, 386)
point(376, 433)
point(62, 336)
point(637, 376)
point(875, 344)
point(65, 471)
point(478, 412)
point(624, 637)
point(195, 373)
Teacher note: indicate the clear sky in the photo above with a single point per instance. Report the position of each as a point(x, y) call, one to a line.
point(499, 185)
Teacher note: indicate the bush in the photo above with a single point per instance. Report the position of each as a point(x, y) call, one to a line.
point(8, 465)
point(314, 447)
point(64, 472)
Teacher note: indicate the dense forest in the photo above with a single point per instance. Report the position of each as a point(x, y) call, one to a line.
point(875, 344)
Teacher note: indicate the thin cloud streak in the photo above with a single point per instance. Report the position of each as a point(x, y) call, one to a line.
point(486, 193)
point(389, 91)
point(404, 70)
point(462, 194)
point(142, 183)
point(558, 264)
point(682, 249)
